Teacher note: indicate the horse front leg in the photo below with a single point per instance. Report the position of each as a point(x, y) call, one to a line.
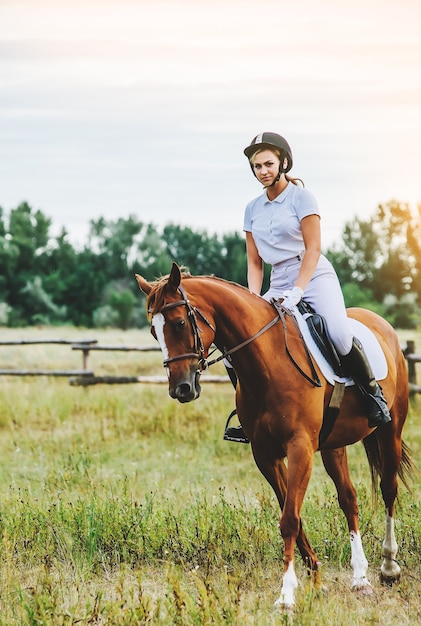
point(306, 551)
point(336, 464)
point(275, 472)
point(300, 455)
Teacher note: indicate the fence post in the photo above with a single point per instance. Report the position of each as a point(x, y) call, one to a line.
point(85, 354)
point(410, 349)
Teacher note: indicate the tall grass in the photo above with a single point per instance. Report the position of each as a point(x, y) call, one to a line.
point(121, 506)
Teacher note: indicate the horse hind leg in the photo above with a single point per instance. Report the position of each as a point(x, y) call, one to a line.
point(390, 571)
point(336, 465)
point(390, 458)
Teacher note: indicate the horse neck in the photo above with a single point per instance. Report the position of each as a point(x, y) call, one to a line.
point(238, 315)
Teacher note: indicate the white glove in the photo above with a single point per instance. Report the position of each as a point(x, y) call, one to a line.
point(291, 297)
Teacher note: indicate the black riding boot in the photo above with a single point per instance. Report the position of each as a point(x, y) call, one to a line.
point(356, 364)
point(233, 433)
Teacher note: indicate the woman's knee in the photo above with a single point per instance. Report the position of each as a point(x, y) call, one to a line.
point(341, 340)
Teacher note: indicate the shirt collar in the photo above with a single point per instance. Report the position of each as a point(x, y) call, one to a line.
point(282, 196)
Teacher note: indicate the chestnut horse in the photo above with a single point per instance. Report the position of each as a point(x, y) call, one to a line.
point(280, 410)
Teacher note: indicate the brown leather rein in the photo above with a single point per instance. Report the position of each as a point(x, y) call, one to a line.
point(199, 354)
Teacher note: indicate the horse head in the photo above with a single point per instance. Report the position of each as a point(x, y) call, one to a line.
point(174, 323)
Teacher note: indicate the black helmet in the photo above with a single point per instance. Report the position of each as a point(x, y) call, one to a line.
point(268, 141)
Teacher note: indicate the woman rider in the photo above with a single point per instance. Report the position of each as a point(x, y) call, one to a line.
point(282, 228)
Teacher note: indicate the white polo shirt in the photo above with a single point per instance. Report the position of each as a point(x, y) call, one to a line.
point(275, 225)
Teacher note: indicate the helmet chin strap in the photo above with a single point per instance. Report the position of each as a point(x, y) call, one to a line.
point(280, 172)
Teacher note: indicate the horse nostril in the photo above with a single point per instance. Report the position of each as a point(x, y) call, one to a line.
point(183, 390)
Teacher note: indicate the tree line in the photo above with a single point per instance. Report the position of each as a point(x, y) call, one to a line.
point(44, 279)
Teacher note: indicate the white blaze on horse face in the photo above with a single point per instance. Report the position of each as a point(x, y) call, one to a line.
point(158, 322)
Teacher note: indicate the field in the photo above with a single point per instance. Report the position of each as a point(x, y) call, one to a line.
point(120, 506)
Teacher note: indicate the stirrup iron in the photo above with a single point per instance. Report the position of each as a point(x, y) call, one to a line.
point(234, 433)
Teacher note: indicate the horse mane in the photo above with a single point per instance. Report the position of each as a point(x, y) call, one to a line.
point(156, 297)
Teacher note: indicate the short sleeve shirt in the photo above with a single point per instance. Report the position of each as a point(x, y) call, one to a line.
point(276, 225)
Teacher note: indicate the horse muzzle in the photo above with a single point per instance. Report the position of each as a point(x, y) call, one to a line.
point(186, 389)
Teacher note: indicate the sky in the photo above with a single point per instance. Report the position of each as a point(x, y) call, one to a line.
point(113, 108)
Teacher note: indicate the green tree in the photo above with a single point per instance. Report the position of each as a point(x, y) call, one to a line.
point(123, 303)
point(380, 253)
point(115, 242)
point(382, 256)
point(152, 258)
point(233, 262)
point(44, 278)
point(24, 244)
point(197, 250)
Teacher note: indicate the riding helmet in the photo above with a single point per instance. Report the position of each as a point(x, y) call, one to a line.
point(265, 141)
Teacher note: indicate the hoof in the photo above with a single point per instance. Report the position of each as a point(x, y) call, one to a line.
point(284, 607)
point(321, 591)
point(362, 587)
point(389, 581)
point(367, 590)
point(316, 579)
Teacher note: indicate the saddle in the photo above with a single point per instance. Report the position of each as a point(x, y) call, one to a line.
point(320, 334)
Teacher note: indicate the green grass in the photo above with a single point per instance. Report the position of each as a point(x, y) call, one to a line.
point(121, 506)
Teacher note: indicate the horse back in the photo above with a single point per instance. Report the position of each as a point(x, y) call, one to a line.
point(395, 385)
point(384, 331)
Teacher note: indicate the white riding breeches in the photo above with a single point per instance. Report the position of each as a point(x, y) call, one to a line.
point(323, 293)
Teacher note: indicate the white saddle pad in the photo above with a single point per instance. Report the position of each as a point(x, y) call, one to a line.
point(368, 339)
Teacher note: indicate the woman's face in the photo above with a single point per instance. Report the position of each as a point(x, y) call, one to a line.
point(266, 166)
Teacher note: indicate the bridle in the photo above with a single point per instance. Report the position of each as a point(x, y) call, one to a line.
point(199, 354)
point(203, 364)
point(192, 313)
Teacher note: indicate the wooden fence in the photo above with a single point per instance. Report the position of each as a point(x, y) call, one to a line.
point(41, 372)
point(412, 359)
point(85, 381)
point(85, 377)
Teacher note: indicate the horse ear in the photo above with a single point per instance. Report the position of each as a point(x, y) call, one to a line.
point(143, 284)
point(175, 277)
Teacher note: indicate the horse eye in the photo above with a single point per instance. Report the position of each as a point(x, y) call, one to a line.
point(180, 324)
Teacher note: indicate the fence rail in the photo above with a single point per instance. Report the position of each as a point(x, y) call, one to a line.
point(85, 377)
point(86, 348)
point(84, 373)
point(66, 342)
point(48, 372)
point(87, 381)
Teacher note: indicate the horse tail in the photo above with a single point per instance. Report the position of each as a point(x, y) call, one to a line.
point(406, 469)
